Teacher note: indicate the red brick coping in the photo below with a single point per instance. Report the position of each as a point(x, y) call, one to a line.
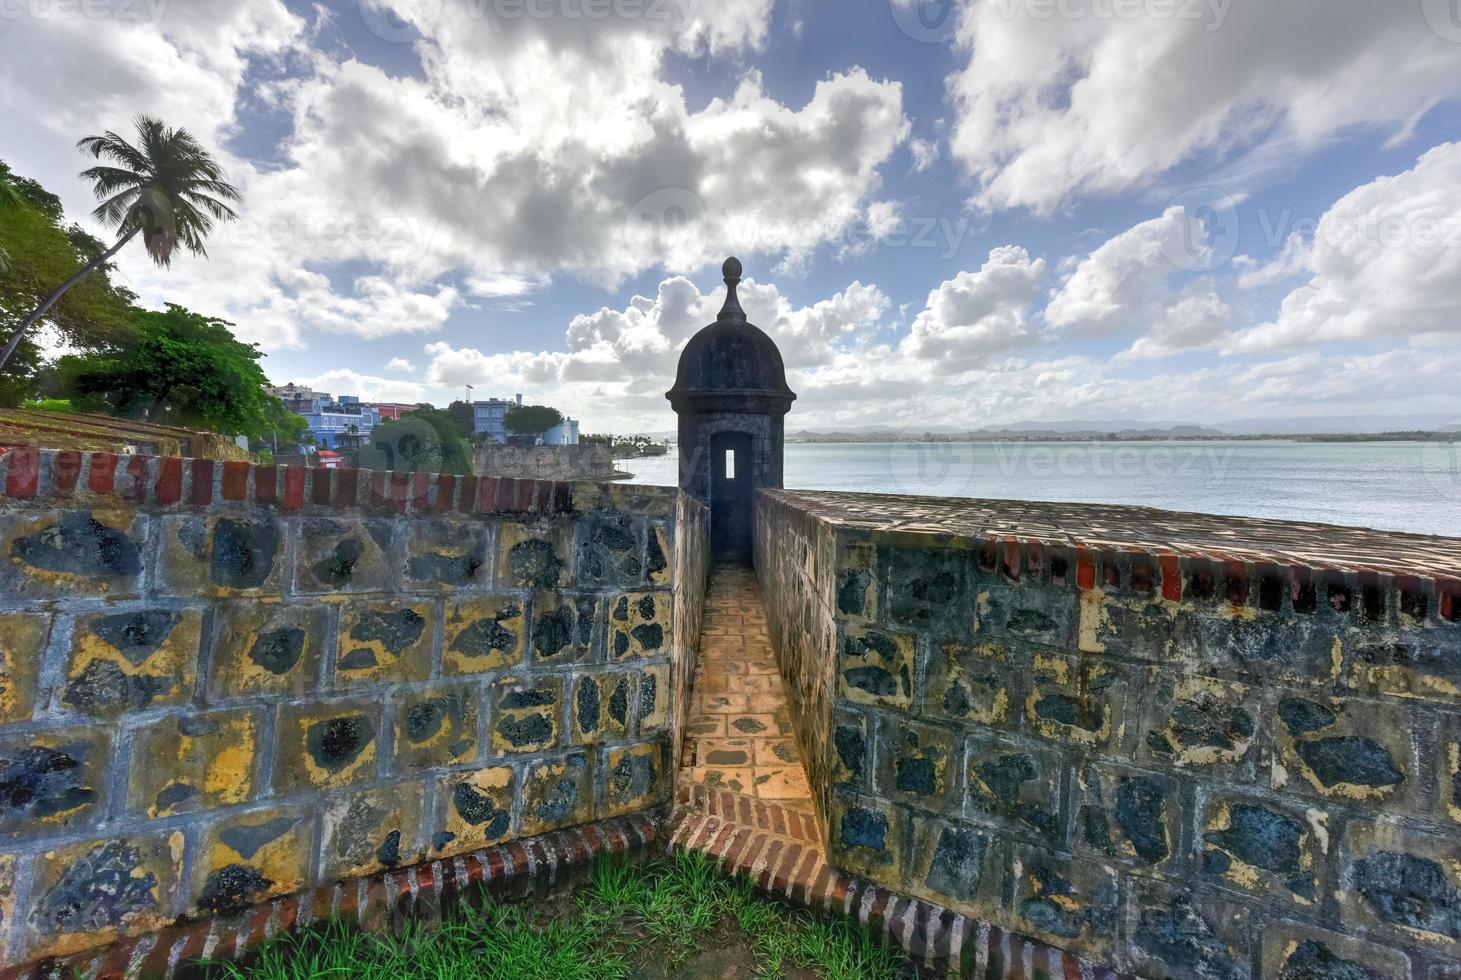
point(171, 480)
point(512, 869)
point(777, 850)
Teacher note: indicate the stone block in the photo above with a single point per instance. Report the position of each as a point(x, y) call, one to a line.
point(363, 833)
point(1299, 951)
point(917, 763)
point(565, 629)
point(345, 555)
point(477, 808)
point(436, 726)
point(1076, 700)
point(972, 682)
point(1410, 662)
point(1199, 723)
point(857, 584)
point(557, 793)
point(1016, 787)
point(1130, 627)
point(527, 713)
point(1339, 749)
point(8, 863)
point(851, 752)
point(602, 708)
point(1172, 931)
point(266, 649)
point(483, 634)
point(53, 780)
point(385, 641)
point(23, 639)
point(636, 777)
point(639, 625)
point(326, 745)
point(1448, 803)
point(1401, 884)
point(866, 837)
point(1238, 640)
point(877, 667)
point(129, 661)
point(954, 864)
point(248, 858)
point(926, 590)
point(1067, 902)
point(92, 893)
point(194, 762)
point(447, 554)
point(71, 553)
point(1264, 848)
point(1128, 815)
point(610, 551)
point(533, 554)
point(657, 553)
point(1032, 614)
point(222, 554)
point(654, 699)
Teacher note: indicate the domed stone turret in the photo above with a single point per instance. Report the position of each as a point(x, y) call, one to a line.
point(731, 397)
point(731, 355)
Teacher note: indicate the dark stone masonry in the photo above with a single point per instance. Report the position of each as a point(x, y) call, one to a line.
point(1023, 739)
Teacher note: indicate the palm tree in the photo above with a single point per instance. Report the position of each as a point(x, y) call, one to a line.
point(167, 188)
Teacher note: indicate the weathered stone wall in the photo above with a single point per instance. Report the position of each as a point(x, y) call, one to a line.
point(223, 682)
point(572, 463)
point(1199, 748)
point(692, 568)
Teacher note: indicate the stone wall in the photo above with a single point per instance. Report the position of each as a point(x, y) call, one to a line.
point(1187, 746)
point(222, 682)
point(571, 463)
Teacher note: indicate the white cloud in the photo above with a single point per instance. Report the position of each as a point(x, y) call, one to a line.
point(369, 388)
point(925, 152)
point(1384, 262)
point(1125, 287)
point(973, 317)
point(400, 364)
point(1058, 102)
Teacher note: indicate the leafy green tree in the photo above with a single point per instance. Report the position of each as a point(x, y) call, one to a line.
point(182, 369)
point(532, 420)
point(167, 188)
point(36, 251)
point(426, 440)
point(282, 428)
point(464, 416)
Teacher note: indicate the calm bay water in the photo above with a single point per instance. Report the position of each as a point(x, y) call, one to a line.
point(1396, 486)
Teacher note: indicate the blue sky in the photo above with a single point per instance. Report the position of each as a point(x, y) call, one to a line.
point(1033, 209)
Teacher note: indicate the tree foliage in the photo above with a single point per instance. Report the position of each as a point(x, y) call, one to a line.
point(464, 416)
point(183, 369)
point(426, 440)
point(532, 420)
point(38, 250)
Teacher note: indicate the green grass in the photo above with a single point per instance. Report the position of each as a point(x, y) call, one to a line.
point(628, 920)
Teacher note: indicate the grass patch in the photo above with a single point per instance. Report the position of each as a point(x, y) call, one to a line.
point(679, 917)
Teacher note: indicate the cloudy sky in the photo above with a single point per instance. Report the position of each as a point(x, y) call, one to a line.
point(956, 214)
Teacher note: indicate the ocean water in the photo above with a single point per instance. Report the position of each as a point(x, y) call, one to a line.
point(1393, 486)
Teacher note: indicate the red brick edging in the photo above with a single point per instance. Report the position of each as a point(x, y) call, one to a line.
point(737, 831)
point(514, 869)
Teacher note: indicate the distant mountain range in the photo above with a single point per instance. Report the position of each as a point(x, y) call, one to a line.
point(1149, 429)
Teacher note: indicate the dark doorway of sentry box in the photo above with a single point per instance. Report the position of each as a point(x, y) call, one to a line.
point(731, 497)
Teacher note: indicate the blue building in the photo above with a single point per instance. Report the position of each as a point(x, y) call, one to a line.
point(334, 423)
point(490, 417)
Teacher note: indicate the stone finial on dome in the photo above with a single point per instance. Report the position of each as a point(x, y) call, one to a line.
point(732, 308)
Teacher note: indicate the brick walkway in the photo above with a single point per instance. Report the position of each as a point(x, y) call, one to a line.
point(739, 730)
point(742, 798)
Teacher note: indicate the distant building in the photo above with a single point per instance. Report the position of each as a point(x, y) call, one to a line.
point(390, 411)
point(563, 434)
point(489, 417)
point(335, 423)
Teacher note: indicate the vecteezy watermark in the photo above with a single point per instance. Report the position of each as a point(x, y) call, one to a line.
point(676, 220)
point(133, 11)
point(931, 21)
point(932, 469)
point(1116, 459)
point(1440, 459)
point(1444, 17)
point(383, 20)
point(1209, 239)
point(328, 235)
point(1211, 13)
